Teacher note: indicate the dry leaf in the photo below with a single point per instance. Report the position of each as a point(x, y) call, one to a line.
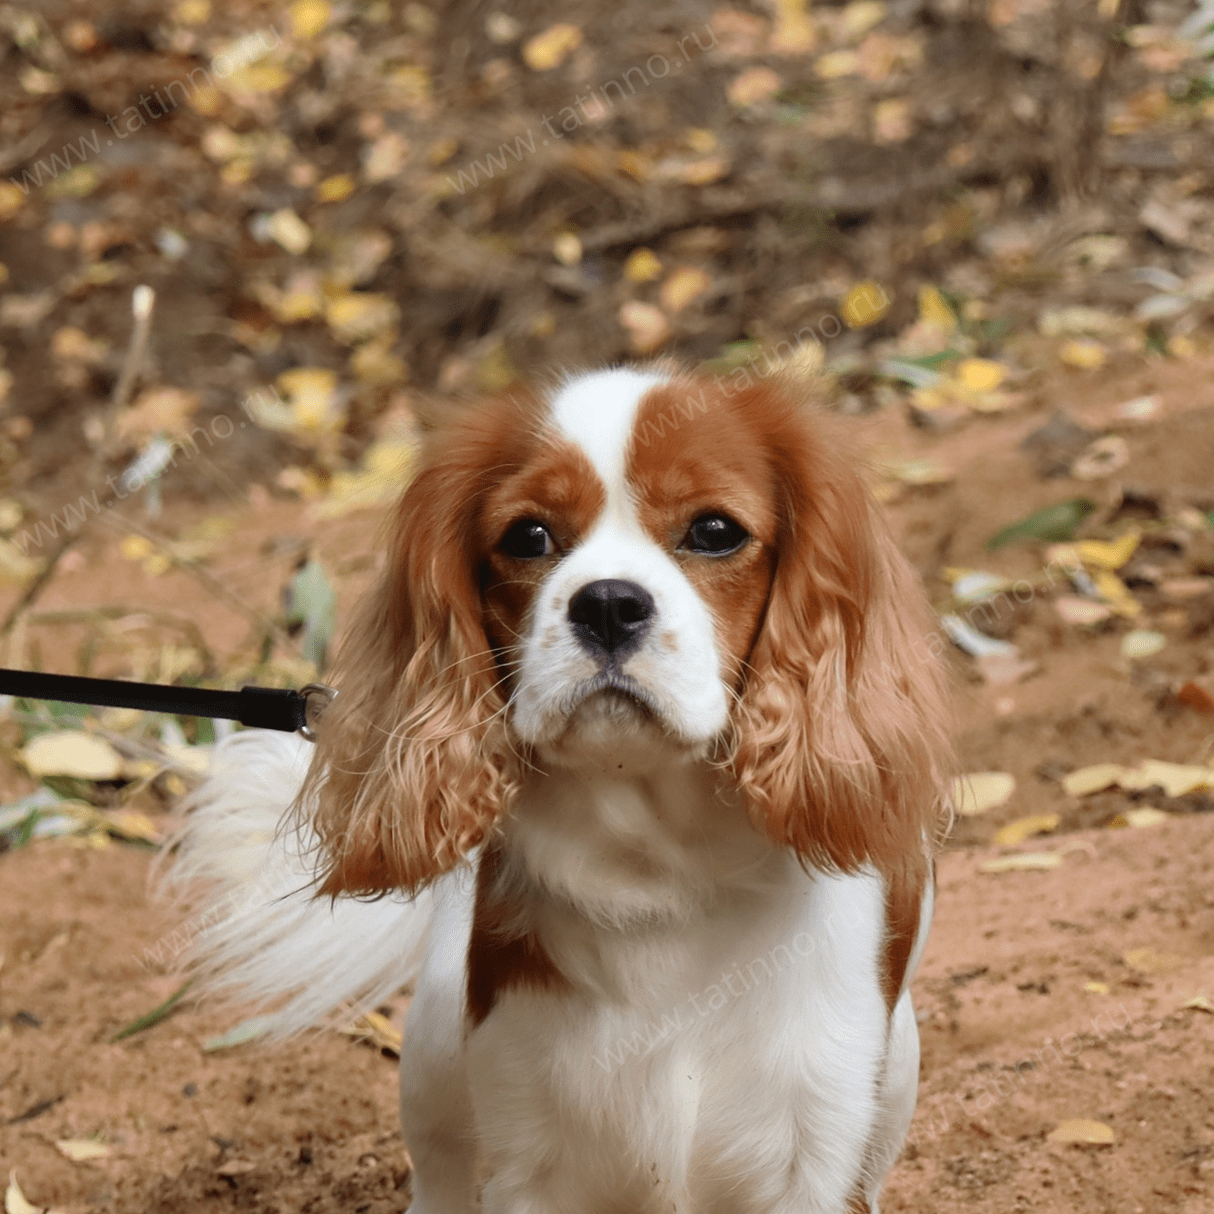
point(981, 791)
point(360, 315)
point(752, 86)
point(81, 1150)
point(980, 374)
point(310, 17)
point(551, 48)
point(1199, 1003)
point(312, 397)
point(1193, 695)
point(836, 64)
point(1083, 353)
point(682, 287)
point(1025, 861)
point(1081, 1130)
point(1025, 828)
point(1104, 457)
point(567, 249)
point(384, 158)
point(378, 1030)
point(286, 229)
point(1096, 988)
point(794, 32)
point(892, 120)
point(71, 752)
point(1148, 961)
point(642, 265)
point(646, 323)
point(1083, 612)
point(1139, 817)
point(336, 188)
point(1142, 643)
point(864, 304)
point(15, 1201)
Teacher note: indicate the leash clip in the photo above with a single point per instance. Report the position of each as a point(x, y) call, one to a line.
point(316, 697)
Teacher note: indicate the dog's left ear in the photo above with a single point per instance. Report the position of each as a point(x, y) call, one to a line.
point(840, 735)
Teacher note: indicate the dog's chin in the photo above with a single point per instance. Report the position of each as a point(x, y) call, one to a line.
point(613, 728)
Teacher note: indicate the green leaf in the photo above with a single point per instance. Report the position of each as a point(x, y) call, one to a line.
point(155, 1016)
point(312, 602)
point(1053, 524)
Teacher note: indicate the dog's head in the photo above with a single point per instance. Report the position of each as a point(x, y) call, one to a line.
point(636, 569)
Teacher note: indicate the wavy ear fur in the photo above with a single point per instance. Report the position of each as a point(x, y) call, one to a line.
point(840, 736)
point(413, 764)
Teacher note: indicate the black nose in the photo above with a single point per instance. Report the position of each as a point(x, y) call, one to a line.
point(610, 617)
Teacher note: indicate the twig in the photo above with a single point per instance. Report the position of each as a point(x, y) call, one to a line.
point(210, 581)
point(36, 587)
point(143, 304)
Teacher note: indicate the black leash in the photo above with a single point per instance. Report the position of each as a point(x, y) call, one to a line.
point(260, 707)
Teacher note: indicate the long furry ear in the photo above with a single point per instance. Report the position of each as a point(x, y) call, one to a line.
point(413, 763)
point(841, 733)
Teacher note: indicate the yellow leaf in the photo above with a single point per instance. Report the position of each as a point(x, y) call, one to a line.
point(286, 228)
point(683, 286)
point(377, 1029)
point(336, 188)
point(1082, 352)
point(131, 824)
point(1116, 593)
point(312, 395)
point(836, 64)
point(1096, 988)
point(859, 17)
point(752, 86)
point(934, 311)
point(980, 374)
point(1176, 779)
point(567, 249)
point(15, 1201)
point(1024, 828)
point(1142, 643)
point(193, 12)
point(374, 362)
point(360, 315)
point(702, 172)
point(893, 120)
point(1080, 1129)
point(642, 265)
point(136, 547)
point(11, 198)
point(71, 752)
point(310, 17)
point(384, 473)
point(1140, 817)
point(864, 304)
point(1148, 961)
point(794, 32)
point(1103, 554)
point(1086, 780)
point(646, 324)
point(80, 1150)
point(551, 48)
point(982, 790)
point(258, 78)
point(1199, 1003)
point(387, 155)
point(1025, 861)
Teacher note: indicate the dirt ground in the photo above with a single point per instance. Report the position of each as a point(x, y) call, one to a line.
point(1044, 996)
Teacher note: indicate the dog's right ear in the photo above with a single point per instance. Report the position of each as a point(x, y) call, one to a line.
point(413, 764)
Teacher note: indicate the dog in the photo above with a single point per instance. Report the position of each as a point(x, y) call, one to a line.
point(636, 771)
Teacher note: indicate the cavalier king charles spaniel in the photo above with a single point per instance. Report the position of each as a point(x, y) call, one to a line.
point(636, 773)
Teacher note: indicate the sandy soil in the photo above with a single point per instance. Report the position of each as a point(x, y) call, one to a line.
point(1032, 1013)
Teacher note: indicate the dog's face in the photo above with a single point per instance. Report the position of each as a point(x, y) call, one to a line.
point(628, 571)
point(636, 566)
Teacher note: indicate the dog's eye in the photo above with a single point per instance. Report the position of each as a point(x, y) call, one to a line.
point(527, 539)
point(715, 535)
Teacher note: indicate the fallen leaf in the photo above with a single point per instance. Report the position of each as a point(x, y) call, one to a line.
point(794, 32)
point(682, 287)
point(893, 120)
point(310, 17)
point(934, 311)
point(336, 188)
point(15, 1201)
point(1104, 457)
point(1139, 817)
point(1096, 988)
point(551, 48)
point(384, 158)
point(246, 1031)
point(752, 86)
point(646, 324)
point(977, 644)
point(1148, 961)
point(72, 753)
point(1025, 861)
point(81, 1150)
point(290, 232)
point(1051, 523)
point(864, 304)
point(567, 249)
point(1025, 828)
point(378, 1030)
point(980, 374)
point(642, 265)
point(1081, 1130)
point(1142, 643)
point(1084, 353)
point(312, 397)
point(1080, 611)
point(1086, 780)
point(981, 791)
point(1194, 696)
point(1176, 779)
point(1199, 1003)
point(360, 315)
point(836, 64)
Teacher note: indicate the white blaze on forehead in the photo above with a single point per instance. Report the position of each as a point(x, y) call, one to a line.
point(597, 413)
